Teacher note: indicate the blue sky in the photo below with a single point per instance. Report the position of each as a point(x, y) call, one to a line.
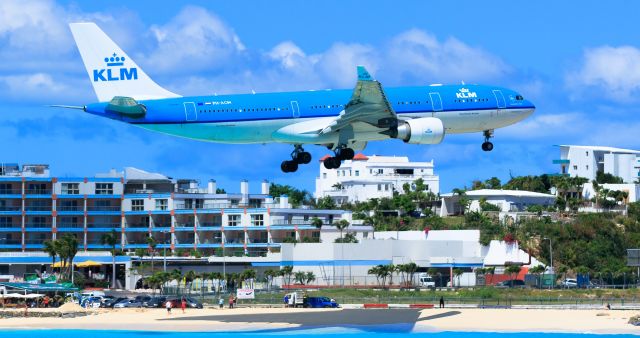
point(578, 62)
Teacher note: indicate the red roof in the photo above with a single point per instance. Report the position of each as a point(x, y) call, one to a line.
point(324, 158)
point(360, 157)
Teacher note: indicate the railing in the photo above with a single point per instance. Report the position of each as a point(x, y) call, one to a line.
point(38, 191)
point(70, 225)
point(37, 225)
point(103, 225)
point(259, 241)
point(10, 241)
point(10, 208)
point(35, 241)
point(137, 225)
point(10, 191)
point(206, 206)
point(37, 208)
point(103, 208)
point(287, 223)
point(10, 225)
point(70, 208)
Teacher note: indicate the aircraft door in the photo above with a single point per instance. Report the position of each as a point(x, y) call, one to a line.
point(499, 99)
point(295, 109)
point(190, 111)
point(436, 102)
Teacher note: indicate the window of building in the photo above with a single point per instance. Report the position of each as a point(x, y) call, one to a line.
point(386, 187)
point(67, 222)
point(575, 167)
point(257, 219)
point(38, 221)
point(404, 171)
point(104, 188)
point(586, 153)
point(587, 167)
point(380, 171)
point(234, 220)
point(5, 222)
point(37, 188)
point(357, 172)
point(5, 188)
point(324, 175)
point(137, 205)
point(162, 204)
point(379, 187)
point(70, 188)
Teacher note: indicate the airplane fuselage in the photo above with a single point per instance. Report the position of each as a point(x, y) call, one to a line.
point(287, 116)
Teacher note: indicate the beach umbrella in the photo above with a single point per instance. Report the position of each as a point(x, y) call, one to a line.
point(88, 264)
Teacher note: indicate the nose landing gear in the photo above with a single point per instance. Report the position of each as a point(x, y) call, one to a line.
point(298, 156)
point(486, 145)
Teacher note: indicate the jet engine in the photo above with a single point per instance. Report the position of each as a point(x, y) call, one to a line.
point(426, 130)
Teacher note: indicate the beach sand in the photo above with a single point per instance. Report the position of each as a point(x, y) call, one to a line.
point(249, 319)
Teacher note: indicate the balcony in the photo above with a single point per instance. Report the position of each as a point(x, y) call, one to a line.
point(10, 191)
point(70, 225)
point(37, 208)
point(38, 191)
point(10, 208)
point(37, 225)
point(103, 208)
point(4, 241)
point(70, 208)
point(35, 241)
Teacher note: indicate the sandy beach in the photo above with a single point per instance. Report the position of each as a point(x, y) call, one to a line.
point(249, 319)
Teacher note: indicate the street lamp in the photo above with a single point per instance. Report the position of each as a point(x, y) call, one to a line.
point(550, 253)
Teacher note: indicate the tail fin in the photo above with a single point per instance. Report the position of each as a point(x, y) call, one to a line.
point(111, 71)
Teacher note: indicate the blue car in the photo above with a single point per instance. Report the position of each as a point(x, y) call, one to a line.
point(320, 302)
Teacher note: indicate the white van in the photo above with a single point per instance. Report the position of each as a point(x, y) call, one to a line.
point(426, 281)
point(295, 299)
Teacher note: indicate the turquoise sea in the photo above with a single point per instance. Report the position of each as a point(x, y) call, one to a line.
point(319, 332)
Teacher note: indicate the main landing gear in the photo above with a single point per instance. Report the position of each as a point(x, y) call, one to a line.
point(342, 153)
point(298, 156)
point(486, 145)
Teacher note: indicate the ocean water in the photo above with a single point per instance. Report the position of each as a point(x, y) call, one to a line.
point(315, 332)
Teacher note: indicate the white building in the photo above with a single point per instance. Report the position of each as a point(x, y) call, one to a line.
point(508, 201)
point(365, 177)
point(586, 161)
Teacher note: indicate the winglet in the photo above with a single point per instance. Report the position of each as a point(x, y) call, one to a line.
point(363, 74)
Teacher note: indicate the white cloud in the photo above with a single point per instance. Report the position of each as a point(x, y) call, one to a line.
point(612, 72)
point(194, 39)
point(419, 54)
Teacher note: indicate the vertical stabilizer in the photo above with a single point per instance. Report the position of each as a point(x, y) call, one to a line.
point(111, 71)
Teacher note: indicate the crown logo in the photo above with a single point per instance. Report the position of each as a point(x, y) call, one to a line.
point(464, 90)
point(114, 60)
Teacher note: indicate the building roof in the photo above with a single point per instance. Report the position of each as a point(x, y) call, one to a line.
point(500, 192)
point(602, 148)
point(139, 174)
point(360, 157)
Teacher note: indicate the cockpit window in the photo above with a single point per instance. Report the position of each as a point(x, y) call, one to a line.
point(519, 98)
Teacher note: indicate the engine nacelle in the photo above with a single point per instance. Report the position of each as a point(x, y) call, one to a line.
point(426, 130)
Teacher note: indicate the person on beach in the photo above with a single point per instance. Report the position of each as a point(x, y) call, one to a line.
point(231, 301)
point(221, 302)
point(183, 304)
point(168, 306)
point(441, 302)
point(286, 300)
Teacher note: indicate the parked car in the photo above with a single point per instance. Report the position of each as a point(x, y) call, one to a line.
point(191, 303)
point(569, 283)
point(155, 302)
point(109, 303)
point(143, 299)
point(321, 302)
point(127, 303)
point(426, 281)
point(512, 283)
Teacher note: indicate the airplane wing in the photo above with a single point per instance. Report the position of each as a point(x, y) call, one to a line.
point(368, 108)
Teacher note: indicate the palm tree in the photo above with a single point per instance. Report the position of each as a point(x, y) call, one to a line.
point(286, 272)
point(341, 225)
point(300, 277)
point(457, 272)
point(249, 275)
point(376, 272)
point(390, 270)
point(177, 276)
point(67, 252)
point(310, 277)
point(410, 269)
point(111, 240)
point(189, 277)
point(513, 270)
point(51, 247)
point(316, 222)
point(269, 275)
point(152, 249)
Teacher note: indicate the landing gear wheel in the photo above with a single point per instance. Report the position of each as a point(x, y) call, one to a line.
point(289, 166)
point(332, 163)
point(346, 154)
point(303, 158)
point(487, 146)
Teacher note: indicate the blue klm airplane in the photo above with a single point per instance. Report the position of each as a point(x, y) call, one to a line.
point(341, 120)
